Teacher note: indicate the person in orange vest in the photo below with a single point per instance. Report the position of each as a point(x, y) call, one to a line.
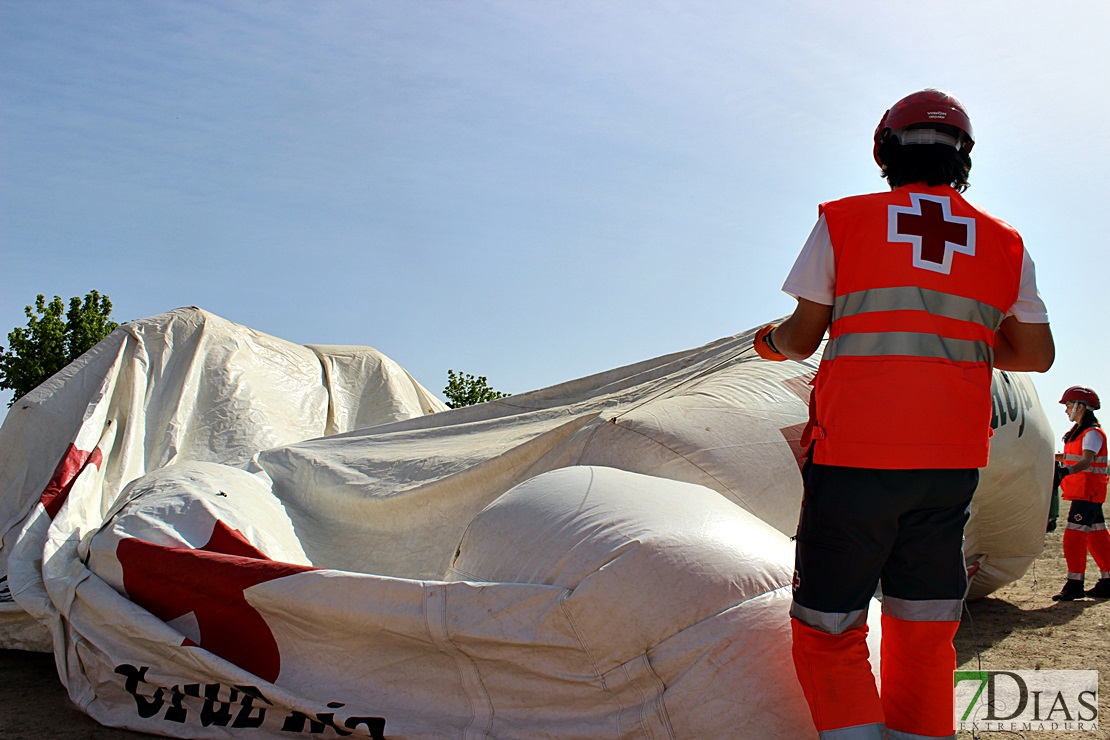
point(922, 294)
point(1082, 478)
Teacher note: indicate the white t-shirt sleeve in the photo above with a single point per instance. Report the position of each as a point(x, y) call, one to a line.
point(813, 276)
point(1092, 441)
point(1029, 308)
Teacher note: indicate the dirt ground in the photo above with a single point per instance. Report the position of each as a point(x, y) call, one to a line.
point(1020, 627)
point(1017, 628)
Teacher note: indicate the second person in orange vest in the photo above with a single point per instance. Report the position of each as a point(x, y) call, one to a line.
point(1082, 478)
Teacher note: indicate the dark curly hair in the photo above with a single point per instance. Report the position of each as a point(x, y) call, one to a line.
point(932, 164)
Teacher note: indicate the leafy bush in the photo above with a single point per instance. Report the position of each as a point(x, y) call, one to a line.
point(49, 343)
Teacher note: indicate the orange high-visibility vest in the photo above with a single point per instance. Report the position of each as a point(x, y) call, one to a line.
point(923, 281)
point(1090, 484)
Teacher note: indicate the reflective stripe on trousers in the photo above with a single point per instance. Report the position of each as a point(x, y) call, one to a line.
point(834, 623)
point(933, 610)
point(837, 623)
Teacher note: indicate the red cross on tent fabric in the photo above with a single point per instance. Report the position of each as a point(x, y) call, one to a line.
point(170, 582)
point(72, 464)
point(936, 235)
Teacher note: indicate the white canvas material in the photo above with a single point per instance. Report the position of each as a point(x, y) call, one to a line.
point(256, 538)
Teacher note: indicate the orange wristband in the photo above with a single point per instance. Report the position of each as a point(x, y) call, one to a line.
point(763, 346)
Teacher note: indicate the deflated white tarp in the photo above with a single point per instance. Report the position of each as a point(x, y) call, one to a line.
point(603, 558)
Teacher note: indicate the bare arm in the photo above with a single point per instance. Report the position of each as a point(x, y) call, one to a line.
point(1022, 347)
point(800, 335)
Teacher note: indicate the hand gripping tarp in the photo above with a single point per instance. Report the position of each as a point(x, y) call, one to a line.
point(603, 558)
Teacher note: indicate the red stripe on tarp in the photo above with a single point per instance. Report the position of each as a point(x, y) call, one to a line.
point(69, 467)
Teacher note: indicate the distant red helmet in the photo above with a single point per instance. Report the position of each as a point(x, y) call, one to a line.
point(1083, 394)
point(925, 106)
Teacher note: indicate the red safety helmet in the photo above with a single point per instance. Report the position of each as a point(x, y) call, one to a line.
point(1083, 394)
point(925, 106)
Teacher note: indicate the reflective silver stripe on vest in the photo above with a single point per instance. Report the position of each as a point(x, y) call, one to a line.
point(875, 731)
point(1098, 464)
point(834, 623)
point(918, 299)
point(913, 344)
point(910, 344)
point(930, 610)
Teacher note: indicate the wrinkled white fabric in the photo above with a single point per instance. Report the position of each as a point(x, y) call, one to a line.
point(261, 538)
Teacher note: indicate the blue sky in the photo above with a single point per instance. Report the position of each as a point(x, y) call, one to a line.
point(532, 191)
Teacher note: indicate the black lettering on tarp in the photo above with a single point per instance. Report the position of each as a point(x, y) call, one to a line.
point(1026, 405)
point(1012, 404)
point(146, 707)
point(374, 725)
point(997, 417)
point(214, 711)
point(176, 712)
point(1009, 401)
point(295, 722)
point(244, 718)
point(217, 711)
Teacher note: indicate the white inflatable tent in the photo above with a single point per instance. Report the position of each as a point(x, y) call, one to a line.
point(222, 534)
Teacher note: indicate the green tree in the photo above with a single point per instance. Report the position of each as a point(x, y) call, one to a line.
point(49, 343)
point(466, 390)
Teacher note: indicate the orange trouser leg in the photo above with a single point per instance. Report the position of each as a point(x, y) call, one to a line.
point(918, 659)
point(1075, 550)
point(1099, 544)
point(836, 677)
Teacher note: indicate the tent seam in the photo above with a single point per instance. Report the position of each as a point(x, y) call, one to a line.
point(445, 637)
point(589, 656)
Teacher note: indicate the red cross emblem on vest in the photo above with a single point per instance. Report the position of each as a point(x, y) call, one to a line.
point(936, 235)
